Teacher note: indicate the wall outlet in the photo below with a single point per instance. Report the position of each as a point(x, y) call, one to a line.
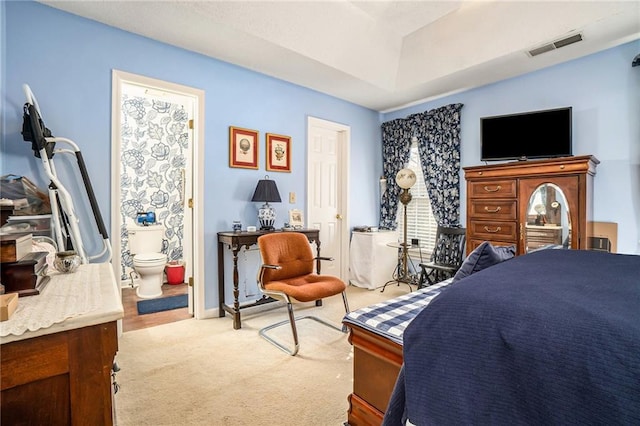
point(292, 198)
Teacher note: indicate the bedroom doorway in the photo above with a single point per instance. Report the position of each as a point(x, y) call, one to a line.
point(157, 145)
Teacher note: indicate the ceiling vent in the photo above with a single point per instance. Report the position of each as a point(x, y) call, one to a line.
point(555, 45)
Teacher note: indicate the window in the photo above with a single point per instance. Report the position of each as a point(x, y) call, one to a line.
point(420, 221)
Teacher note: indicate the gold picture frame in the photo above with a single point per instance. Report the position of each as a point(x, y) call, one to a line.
point(278, 153)
point(243, 148)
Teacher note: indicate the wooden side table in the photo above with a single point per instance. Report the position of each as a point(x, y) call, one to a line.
point(235, 241)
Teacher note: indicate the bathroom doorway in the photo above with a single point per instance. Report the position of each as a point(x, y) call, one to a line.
point(157, 161)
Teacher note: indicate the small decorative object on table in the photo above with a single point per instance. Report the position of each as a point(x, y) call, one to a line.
point(237, 226)
point(296, 220)
point(67, 261)
point(8, 304)
point(28, 276)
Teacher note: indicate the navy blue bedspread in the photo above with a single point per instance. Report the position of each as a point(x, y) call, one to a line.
point(549, 338)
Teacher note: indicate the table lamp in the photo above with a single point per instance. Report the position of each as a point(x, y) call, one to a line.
point(266, 192)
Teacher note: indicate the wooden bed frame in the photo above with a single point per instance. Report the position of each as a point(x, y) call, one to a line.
point(376, 364)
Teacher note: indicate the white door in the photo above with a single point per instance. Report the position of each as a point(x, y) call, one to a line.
point(327, 199)
point(153, 124)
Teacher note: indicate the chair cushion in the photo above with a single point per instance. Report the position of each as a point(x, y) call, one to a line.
point(482, 257)
point(308, 288)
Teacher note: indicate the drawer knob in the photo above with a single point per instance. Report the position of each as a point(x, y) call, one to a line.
point(492, 231)
point(488, 210)
point(489, 189)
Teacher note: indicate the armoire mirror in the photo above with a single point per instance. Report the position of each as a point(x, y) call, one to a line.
point(548, 219)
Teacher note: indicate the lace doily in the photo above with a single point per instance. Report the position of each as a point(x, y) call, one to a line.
point(65, 296)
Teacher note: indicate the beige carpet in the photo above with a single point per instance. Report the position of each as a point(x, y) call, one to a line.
point(203, 372)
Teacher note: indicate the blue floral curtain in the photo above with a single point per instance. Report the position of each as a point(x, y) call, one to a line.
point(438, 133)
point(396, 148)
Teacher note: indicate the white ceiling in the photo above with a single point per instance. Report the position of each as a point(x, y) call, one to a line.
point(379, 54)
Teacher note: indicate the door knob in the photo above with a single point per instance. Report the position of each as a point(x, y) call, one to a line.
point(339, 216)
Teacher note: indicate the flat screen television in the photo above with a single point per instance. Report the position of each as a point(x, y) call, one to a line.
point(523, 136)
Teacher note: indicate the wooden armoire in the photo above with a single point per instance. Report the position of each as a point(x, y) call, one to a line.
point(531, 203)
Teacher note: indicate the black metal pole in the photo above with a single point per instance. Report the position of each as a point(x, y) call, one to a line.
point(92, 198)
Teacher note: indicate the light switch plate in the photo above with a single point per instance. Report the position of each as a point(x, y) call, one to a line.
point(292, 198)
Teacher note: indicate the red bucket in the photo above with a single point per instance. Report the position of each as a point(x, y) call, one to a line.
point(175, 273)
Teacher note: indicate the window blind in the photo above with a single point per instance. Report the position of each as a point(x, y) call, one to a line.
point(420, 221)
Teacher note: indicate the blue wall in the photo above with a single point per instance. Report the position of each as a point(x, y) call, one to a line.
point(604, 91)
point(67, 61)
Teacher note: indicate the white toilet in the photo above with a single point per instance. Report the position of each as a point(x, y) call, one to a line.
point(145, 245)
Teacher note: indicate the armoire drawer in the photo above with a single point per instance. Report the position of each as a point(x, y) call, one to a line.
point(493, 230)
point(474, 243)
point(493, 209)
point(506, 188)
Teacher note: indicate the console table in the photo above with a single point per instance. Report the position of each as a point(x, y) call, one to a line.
point(235, 241)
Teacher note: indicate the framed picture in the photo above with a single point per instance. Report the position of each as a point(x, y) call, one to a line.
point(296, 218)
point(278, 153)
point(243, 148)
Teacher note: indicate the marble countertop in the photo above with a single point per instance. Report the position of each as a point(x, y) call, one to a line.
point(87, 297)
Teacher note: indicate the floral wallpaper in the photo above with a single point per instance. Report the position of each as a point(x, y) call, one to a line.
point(153, 155)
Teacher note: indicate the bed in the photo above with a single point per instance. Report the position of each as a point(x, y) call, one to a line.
point(551, 337)
point(376, 333)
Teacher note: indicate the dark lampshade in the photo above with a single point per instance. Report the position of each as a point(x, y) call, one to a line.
point(266, 192)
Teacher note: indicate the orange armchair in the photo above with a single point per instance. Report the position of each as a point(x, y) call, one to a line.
point(287, 274)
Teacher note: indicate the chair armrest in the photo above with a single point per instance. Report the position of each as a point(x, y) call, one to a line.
point(323, 258)
point(271, 266)
point(261, 271)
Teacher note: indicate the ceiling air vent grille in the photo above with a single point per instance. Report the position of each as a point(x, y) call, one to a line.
point(555, 45)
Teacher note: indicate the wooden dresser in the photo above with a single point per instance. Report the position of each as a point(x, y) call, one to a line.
point(505, 205)
point(59, 373)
